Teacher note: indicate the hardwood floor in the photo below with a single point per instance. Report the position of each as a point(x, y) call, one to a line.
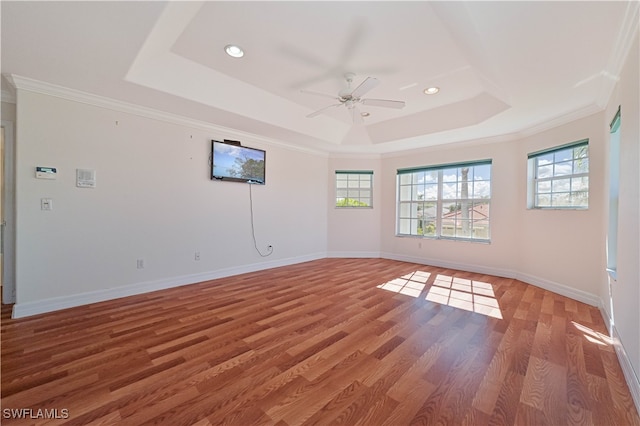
point(333, 341)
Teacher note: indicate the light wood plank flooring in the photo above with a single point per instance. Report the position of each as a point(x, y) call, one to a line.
point(333, 341)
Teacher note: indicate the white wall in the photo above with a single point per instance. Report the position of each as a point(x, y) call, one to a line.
point(626, 290)
point(560, 250)
point(153, 201)
point(566, 247)
point(499, 256)
point(354, 231)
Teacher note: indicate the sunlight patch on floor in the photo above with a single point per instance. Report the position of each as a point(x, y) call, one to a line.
point(593, 336)
point(470, 295)
point(410, 285)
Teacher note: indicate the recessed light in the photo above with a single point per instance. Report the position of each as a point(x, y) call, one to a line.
point(431, 90)
point(234, 51)
point(365, 114)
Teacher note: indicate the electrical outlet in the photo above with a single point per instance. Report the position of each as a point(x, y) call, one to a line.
point(197, 256)
point(140, 263)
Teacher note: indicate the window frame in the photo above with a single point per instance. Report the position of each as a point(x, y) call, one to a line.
point(358, 189)
point(614, 193)
point(437, 221)
point(533, 168)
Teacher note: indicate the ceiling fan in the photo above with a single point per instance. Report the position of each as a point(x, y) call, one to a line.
point(350, 98)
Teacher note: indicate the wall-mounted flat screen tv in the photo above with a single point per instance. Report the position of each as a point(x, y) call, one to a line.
point(232, 162)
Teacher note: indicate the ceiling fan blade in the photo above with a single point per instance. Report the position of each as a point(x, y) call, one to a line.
point(325, 95)
point(320, 111)
point(364, 87)
point(386, 103)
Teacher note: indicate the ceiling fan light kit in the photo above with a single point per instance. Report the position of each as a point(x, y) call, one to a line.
point(350, 98)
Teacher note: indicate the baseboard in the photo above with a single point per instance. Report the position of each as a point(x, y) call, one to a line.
point(479, 269)
point(53, 304)
point(570, 292)
point(605, 317)
point(579, 295)
point(21, 310)
point(355, 254)
point(627, 369)
point(582, 296)
point(629, 373)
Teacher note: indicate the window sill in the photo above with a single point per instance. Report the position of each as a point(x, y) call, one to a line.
point(558, 208)
point(353, 207)
point(423, 237)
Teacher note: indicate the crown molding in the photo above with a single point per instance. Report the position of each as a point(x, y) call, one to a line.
point(36, 86)
point(355, 155)
point(560, 120)
point(609, 77)
point(542, 126)
point(626, 36)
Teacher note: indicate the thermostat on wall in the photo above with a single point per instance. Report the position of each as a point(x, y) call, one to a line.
point(46, 172)
point(85, 178)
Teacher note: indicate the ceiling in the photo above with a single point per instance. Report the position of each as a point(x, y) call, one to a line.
point(503, 68)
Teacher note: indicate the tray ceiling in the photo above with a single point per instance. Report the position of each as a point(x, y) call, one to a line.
point(503, 68)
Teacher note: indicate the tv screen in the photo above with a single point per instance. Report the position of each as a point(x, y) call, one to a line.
point(235, 163)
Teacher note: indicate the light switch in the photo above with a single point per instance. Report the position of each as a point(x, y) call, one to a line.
point(46, 204)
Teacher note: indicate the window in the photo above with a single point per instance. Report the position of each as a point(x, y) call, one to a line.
point(614, 185)
point(559, 177)
point(354, 189)
point(449, 201)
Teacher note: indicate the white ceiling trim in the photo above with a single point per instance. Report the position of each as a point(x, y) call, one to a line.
point(628, 32)
point(567, 118)
point(456, 18)
point(622, 46)
point(169, 58)
point(158, 68)
point(409, 144)
point(35, 86)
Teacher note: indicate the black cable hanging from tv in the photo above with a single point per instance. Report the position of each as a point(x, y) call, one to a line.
point(253, 230)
